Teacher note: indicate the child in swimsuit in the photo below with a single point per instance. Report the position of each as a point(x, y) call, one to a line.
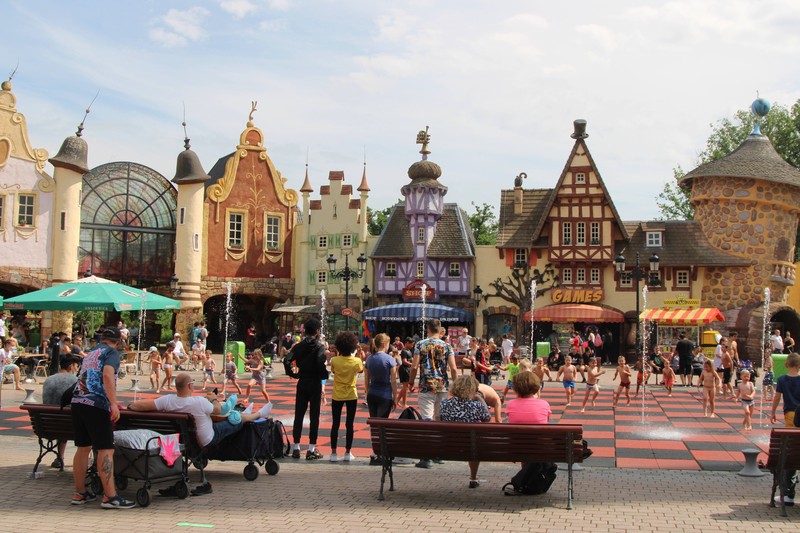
point(513, 370)
point(710, 380)
point(540, 370)
point(624, 373)
point(209, 365)
point(256, 366)
point(642, 374)
point(746, 392)
point(569, 371)
point(155, 369)
point(168, 363)
point(592, 386)
point(669, 379)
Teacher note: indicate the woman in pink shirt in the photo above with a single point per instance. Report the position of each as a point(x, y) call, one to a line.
point(528, 408)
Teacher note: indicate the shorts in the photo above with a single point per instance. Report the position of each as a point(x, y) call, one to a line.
point(669, 382)
point(92, 427)
point(10, 368)
point(726, 375)
point(593, 386)
point(748, 403)
point(258, 377)
point(569, 384)
point(208, 372)
point(625, 385)
point(404, 375)
point(769, 378)
point(167, 367)
point(511, 386)
point(232, 377)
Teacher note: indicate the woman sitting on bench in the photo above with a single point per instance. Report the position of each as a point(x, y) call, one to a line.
point(465, 405)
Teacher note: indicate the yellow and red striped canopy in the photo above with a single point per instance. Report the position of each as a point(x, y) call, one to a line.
point(699, 316)
point(575, 313)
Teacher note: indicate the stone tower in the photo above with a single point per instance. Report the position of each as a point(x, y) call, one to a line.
point(747, 205)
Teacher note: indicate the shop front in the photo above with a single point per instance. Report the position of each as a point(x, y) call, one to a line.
point(671, 322)
point(406, 319)
point(555, 324)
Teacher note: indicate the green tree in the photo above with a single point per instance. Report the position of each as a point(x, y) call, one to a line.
point(377, 218)
point(781, 125)
point(483, 223)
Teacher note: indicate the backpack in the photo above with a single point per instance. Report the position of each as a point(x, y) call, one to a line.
point(278, 439)
point(409, 413)
point(533, 478)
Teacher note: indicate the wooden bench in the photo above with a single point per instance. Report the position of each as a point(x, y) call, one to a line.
point(459, 441)
point(784, 454)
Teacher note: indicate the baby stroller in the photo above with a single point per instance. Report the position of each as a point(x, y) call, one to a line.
point(495, 359)
point(746, 365)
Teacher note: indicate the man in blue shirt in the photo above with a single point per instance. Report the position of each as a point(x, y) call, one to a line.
point(94, 411)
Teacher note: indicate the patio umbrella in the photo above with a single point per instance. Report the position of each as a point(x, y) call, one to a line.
point(90, 294)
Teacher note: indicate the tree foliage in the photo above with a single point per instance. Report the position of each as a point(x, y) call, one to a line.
point(781, 125)
point(483, 223)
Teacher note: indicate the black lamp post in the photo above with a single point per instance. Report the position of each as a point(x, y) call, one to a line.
point(478, 296)
point(364, 297)
point(346, 274)
point(638, 273)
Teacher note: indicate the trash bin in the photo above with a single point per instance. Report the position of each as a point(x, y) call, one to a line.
point(708, 343)
point(542, 349)
point(779, 364)
point(237, 349)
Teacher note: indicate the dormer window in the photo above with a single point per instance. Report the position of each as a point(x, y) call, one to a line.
point(654, 239)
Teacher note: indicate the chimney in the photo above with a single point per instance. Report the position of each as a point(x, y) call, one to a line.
point(518, 193)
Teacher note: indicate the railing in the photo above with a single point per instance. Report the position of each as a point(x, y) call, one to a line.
point(784, 272)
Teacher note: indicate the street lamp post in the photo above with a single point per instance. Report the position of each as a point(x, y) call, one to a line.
point(638, 273)
point(346, 274)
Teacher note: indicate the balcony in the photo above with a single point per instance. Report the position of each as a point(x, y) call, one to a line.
point(783, 272)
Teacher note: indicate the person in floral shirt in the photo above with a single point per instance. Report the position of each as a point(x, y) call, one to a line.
point(433, 359)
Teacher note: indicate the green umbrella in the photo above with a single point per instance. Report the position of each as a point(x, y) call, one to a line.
point(90, 294)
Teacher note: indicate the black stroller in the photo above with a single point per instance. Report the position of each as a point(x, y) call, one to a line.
point(148, 466)
point(496, 358)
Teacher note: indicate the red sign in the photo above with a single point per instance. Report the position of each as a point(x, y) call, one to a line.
point(413, 291)
point(347, 312)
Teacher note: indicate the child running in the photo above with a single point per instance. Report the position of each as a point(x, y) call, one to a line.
point(569, 371)
point(230, 374)
point(155, 369)
point(709, 380)
point(669, 379)
point(169, 361)
point(540, 370)
point(513, 370)
point(624, 373)
point(256, 366)
point(209, 365)
point(746, 392)
point(642, 375)
point(592, 386)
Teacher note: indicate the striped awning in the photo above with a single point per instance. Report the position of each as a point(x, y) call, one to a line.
point(575, 313)
point(411, 312)
point(698, 316)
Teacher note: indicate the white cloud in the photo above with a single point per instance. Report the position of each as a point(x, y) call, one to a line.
point(178, 27)
point(274, 25)
point(280, 5)
point(237, 8)
point(602, 36)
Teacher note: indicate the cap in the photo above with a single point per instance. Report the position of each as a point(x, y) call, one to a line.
point(153, 349)
point(111, 333)
point(288, 334)
point(177, 335)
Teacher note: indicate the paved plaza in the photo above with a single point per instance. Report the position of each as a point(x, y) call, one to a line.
point(672, 473)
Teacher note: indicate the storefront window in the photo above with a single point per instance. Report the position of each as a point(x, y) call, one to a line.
point(499, 325)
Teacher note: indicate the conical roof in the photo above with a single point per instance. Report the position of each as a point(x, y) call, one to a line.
point(73, 155)
point(754, 158)
point(189, 169)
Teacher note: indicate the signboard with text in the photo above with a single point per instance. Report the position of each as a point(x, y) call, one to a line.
point(413, 292)
point(569, 296)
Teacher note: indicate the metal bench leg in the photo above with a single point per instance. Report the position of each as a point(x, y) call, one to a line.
point(381, 497)
point(391, 475)
point(569, 486)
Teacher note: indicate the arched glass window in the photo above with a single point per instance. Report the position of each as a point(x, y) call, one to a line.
point(127, 224)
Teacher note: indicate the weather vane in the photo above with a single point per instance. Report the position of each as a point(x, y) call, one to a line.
point(250, 122)
point(424, 138)
point(86, 114)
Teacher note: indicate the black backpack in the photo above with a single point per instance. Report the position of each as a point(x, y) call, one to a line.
point(533, 478)
point(409, 413)
point(278, 439)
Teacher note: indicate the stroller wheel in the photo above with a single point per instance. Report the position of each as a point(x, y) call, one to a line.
point(96, 484)
point(121, 482)
point(272, 467)
point(182, 489)
point(250, 472)
point(142, 497)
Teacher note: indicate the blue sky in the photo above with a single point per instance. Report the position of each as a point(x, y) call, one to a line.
point(499, 83)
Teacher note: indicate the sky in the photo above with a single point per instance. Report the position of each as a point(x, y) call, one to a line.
point(337, 81)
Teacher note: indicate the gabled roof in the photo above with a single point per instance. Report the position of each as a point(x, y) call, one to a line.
point(516, 231)
point(453, 237)
point(683, 244)
point(579, 143)
point(754, 158)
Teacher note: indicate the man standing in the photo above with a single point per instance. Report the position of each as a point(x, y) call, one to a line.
point(508, 348)
point(3, 327)
point(734, 349)
point(683, 351)
point(788, 343)
point(776, 341)
point(180, 352)
point(433, 358)
point(94, 410)
point(309, 356)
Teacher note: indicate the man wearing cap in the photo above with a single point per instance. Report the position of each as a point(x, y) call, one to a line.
point(286, 344)
point(94, 411)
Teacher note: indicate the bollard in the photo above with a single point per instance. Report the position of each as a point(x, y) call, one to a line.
point(29, 398)
point(135, 385)
point(751, 463)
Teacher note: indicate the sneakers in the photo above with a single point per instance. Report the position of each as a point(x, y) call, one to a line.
point(202, 489)
point(335, 458)
point(58, 463)
point(295, 454)
point(787, 501)
point(424, 463)
point(313, 456)
point(79, 498)
point(117, 502)
point(349, 457)
point(375, 461)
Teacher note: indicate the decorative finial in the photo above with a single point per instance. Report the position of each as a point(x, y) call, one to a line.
point(185, 134)
point(250, 122)
point(519, 178)
point(760, 107)
point(79, 133)
point(424, 138)
point(579, 125)
point(7, 86)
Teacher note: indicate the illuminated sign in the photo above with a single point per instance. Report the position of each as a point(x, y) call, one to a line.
point(565, 296)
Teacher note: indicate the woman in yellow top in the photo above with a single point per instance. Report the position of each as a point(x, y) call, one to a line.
point(345, 368)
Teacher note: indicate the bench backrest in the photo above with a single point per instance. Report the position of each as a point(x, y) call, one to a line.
point(786, 440)
point(50, 422)
point(476, 441)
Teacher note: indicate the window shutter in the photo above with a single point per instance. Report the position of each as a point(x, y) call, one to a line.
point(337, 240)
point(313, 241)
point(312, 278)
